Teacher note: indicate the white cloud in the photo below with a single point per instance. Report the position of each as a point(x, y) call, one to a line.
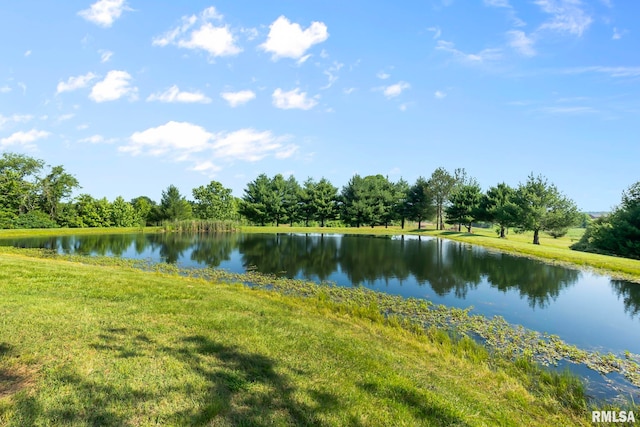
point(382, 75)
point(292, 99)
point(23, 138)
point(566, 16)
point(104, 12)
point(497, 3)
point(97, 139)
point(23, 87)
point(439, 94)
point(105, 55)
point(5, 89)
point(15, 118)
point(437, 32)
point(617, 34)
point(349, 90)
point(521, 43)
point(251, 146)
point(114, 86)
point(395, 89)
point(238, 98)
point(215, 40)
point(173, 94)
point(74, 83)
point(66, 117)
point(288, 40)
point(332, 74)
point(569, 110)
point(183, 141)
point(485, 55)
point(618, 72)
point(27, 53)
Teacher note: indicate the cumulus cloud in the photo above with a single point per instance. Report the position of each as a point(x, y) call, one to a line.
point(23, 138)
point(383, 75)
point(5, 89)
point(184, 141)
point(238, 98)
point(292, 99)
point(173, 94)
point(439, 94)
point(289, 40)
point(198, 32)
point(519, 41)
point(104, 12)
point(115, 86)
point(395, 89)
point(74, 83)
point(567, 16)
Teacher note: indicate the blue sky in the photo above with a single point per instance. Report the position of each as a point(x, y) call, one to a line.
point(132, 96)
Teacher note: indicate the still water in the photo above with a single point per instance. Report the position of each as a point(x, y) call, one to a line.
point(591, 311)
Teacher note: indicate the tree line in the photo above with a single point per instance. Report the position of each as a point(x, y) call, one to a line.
point(34, 195)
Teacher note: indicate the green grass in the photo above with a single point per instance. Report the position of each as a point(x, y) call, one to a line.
point(110, 345)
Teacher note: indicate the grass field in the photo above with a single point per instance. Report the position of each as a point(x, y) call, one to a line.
point(109, 345)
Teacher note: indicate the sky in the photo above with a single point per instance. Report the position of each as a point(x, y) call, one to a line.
point(133, 96)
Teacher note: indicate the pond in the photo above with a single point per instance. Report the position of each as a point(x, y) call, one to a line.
point(591, 311)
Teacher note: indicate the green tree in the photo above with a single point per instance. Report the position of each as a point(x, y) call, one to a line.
point(441, 185)
point(324, 197)
point(291, 199)
point(420, 202)
point(123, 213)
point(497, 206)
point(465, 203)
point(355, 210)
point(619, 232)
point(541, 207)
point(54, 187)
point(18, 185)
point(146, 210)
point(254, 203)
point(214, 202)
point(368, 200)
point(401, 207)
point(173, 206)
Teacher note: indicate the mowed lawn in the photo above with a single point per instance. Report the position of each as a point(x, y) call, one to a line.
point(107, 345)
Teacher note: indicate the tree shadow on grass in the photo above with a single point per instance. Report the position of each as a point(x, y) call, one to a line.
point(81, 401)
point(418, 405)
point(245, 389)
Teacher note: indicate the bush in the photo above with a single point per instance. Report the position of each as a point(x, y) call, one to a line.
point(33, 219)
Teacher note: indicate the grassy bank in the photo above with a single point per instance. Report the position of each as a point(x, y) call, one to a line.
point(107, 345)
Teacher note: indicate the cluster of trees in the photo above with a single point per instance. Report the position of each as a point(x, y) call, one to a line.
point(35, 196)
point(373, 200)
point(31, 196)
point(617, 233)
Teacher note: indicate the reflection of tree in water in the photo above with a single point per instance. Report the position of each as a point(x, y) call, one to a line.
point(538, 282)
point(288, 255)
point(321, 256)
point(212, 249)
point(368, 258)
point(630, 294)
point(446, 266)
point(171, 246)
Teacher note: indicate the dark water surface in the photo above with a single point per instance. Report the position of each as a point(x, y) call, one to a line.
point(591, 311)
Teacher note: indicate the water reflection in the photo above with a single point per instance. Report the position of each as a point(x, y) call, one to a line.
point(447, 267)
